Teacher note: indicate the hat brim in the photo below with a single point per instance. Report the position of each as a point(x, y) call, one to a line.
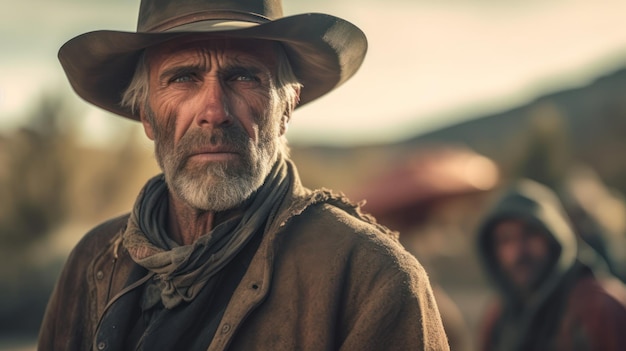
point(324, 52)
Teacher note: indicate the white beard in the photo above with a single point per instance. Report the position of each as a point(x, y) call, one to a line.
point(217, 188)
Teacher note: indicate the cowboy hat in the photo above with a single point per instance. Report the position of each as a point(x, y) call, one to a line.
point(324, 51)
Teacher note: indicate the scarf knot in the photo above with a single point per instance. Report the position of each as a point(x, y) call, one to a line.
point(182, 271)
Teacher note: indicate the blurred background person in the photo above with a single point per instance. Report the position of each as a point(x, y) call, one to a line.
point(550, 297)
point(525, 91)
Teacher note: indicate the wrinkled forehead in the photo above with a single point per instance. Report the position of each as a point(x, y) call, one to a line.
point(255, 51)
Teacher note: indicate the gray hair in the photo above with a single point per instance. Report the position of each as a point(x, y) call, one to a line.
point(136, 94)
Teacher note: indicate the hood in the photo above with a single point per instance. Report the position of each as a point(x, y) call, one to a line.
point(537, 204)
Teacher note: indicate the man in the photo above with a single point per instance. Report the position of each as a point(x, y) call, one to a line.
point(226, 249)
point(550, 299)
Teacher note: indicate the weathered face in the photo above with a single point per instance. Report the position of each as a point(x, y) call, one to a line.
point(523, 252)
point(214, 115)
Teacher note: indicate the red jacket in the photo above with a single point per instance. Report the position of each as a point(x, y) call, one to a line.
point(572, 309)
point(592, 318)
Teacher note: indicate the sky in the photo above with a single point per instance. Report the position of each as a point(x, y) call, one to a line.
point(429, 64)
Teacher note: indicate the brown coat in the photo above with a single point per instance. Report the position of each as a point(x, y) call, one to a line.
point(328, 279)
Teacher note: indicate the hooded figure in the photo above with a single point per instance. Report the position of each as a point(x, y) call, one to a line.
point(551, 296)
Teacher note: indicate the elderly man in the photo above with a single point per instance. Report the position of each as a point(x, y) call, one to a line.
point(551, 296)
point(226, 249)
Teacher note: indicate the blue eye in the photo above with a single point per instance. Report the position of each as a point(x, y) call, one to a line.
point(185, 78)
point(244, 77)
point(242, 74)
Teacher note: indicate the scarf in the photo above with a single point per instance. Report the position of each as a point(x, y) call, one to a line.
point(182, 271)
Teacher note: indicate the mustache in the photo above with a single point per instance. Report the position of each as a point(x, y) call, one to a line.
point(233, 138)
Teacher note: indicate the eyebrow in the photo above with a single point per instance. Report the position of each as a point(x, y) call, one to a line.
point(242, 68)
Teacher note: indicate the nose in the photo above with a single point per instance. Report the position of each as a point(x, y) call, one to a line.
point(213, 109)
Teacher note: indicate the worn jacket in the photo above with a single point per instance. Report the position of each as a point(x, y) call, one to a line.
point(576, 308)
point(328, 278)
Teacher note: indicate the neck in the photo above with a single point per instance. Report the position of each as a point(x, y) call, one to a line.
point(186, 224)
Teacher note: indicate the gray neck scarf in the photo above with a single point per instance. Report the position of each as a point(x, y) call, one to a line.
point(183, 271)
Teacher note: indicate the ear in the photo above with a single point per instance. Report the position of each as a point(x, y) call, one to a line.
point(147, 126)
point(284, 121)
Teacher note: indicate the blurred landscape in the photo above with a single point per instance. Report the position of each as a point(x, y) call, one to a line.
point(436, 186)
point(455, 100)
point(432, 187)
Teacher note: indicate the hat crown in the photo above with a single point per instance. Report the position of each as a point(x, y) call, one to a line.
point(161, 15)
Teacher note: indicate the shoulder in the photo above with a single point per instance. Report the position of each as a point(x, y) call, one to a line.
point(344, 219)
point(70, 313)
point(603, 293)
point(597, 313)
point(98, 238)
point(598, 290)
point(335, 216)
point(336, 230)
point(104, 232)
point(76, 276)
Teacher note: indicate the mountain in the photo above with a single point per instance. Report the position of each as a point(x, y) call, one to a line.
point(542, 139)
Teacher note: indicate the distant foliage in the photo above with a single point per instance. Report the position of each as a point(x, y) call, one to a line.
point(33, 176)
point(53, 187)
point(49, 178)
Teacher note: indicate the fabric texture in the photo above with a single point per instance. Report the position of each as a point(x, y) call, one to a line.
point(192, 283)
point(133, 323)
point(556, 316)
point(184, 270)
point(324, 277)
